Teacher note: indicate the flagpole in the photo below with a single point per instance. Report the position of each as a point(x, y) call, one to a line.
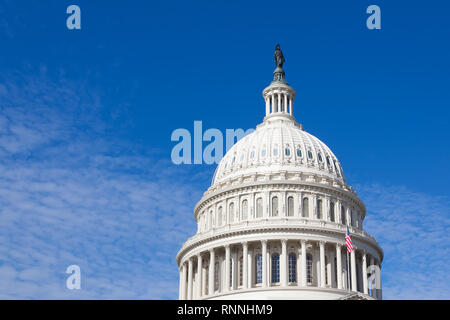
point(348, 273)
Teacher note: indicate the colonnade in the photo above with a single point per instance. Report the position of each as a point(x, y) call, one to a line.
point(279, 102)
point(276, 263)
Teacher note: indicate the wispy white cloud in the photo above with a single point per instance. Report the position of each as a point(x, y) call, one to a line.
point(70, 194)
point(413, 230)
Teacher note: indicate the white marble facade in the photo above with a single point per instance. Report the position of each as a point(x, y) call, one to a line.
point(273, 222)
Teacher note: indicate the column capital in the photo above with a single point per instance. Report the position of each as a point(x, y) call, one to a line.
point(284, 240)
point(227, 246)
point(211, 251)
point(244, 243)
point(303, 241)
point(264, 241)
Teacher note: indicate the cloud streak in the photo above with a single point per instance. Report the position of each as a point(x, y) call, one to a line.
point(70, 195)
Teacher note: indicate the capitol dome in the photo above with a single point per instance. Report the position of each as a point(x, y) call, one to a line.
point(279, 143)
point(274, 221)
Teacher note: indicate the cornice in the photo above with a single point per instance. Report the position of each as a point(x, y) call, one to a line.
point(200, 240)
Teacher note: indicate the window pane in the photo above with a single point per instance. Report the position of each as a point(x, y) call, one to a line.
point(292, 268)
point(275, 268)
point(259, 208)
point(319, 209)
point(309, 268)
point(274, 206)
point(290, 206)
point(287, 152)
point(231, 212)
point(244, 209)
point(332, 211)
point(305, 209)
point(258, 266)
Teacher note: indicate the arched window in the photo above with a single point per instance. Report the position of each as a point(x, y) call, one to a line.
point(259, 208)
point(305, 207)
point(343, 220)
point(275, 152)
point(291, 206)
point(244, 210)
point(252, 154)
point(258, 268)
point(332, 211)
point(319, 156)
point(275, 268)
point(292, 267)
point(328, 160)
point(299, 152)
point(309, 263)
point(274, 206)
point(219, 217)
point(319, 209)
point(231, 213)
point(287, 152)
point(310, 155)
point(263, 152)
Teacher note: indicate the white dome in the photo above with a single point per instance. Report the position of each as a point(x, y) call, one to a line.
point(279, 144)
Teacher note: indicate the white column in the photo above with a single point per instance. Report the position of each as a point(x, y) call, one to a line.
point(285, 110)
point(204, 277)
point(199, 277)
point(284, 265)
point(264, 263)
point(374, 291)
point(379, 290)
point(183, 282)
point(180, 288)
point(227, 268)
point(190, 271)
point(304, 271)
point(250, 269)
point(333, 281)
point(322, 263)
point(245, 265)
point(339, 265)
point(267, 106)
point(291, 102)
point(279, 102)
point(233, 270)
point(353, 269)
point(211, 271)
point(364, 273)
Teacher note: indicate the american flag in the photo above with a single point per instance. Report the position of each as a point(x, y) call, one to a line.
point(348, 240)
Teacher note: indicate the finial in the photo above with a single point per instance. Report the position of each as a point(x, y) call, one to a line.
point(278, 74)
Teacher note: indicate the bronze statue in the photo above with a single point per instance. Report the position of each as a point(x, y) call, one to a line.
point(279, 59)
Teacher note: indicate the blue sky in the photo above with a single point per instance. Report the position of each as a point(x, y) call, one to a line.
point(86, 118)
